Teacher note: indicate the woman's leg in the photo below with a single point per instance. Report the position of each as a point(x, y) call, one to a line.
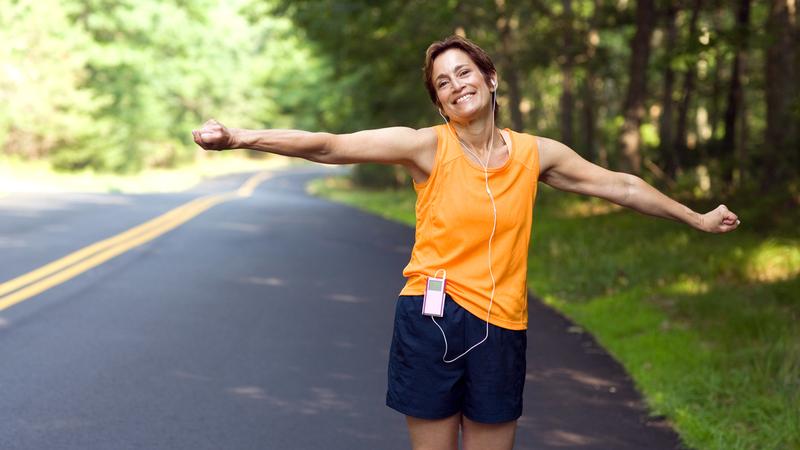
point(486, 436)
point(439, 434)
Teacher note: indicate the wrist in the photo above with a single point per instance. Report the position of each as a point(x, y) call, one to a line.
point(698, 221)
point(237, 138)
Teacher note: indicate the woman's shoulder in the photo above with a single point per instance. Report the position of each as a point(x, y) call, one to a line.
point(526, 148)
point(422, 138)
point(525, 140)
point(522, 134)
point(429, 134)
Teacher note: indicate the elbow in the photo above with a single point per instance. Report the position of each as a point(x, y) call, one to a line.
point(324, 151)
point(629, 186)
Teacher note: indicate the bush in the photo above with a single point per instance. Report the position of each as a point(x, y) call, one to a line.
point(380, 176)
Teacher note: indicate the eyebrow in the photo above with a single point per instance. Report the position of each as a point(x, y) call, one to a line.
point(456, 69)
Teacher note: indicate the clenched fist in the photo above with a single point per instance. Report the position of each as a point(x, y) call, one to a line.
point(213, 136)
point(720, 220)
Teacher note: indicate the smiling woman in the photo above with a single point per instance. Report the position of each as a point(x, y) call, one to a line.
point(474, 55)
point(462, 368)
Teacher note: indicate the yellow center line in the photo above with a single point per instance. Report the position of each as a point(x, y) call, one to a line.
point(246, 190)
point(80, 261)
point(78, 255)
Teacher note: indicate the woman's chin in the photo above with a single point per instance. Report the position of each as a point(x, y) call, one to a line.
point(465, 116)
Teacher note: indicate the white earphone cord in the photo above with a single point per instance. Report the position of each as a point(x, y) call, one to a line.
point(491, 237)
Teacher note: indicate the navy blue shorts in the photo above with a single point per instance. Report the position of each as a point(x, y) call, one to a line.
point(485, 384)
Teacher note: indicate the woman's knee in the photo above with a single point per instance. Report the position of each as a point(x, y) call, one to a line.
point(486, 436)
point(434, 434)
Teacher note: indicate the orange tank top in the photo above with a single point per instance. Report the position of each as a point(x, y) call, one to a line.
point(454, 223)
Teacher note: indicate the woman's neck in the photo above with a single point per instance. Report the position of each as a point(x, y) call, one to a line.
point(479, 135)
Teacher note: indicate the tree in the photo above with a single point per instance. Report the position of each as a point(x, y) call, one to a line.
point(567, 63)
point(42, 69)
point(780, 153)
point(508, 25)
point(732, 146)
point(689, 56)
point(634, 108)
point(666, 133)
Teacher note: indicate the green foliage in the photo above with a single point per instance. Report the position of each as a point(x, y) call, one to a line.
point(160, 68)
point(379, 48)
point(42, 69)
point(117, 85)
point(392, 204)
point(706, 324)
point(380, 176)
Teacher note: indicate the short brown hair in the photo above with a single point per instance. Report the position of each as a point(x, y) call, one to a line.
point(475, 53)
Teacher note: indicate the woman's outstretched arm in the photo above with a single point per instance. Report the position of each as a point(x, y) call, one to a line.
point(564, 169)
point(395, 145)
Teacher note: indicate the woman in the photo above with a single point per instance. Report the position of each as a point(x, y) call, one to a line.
point(463, 366)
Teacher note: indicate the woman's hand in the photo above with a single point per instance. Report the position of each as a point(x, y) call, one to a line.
point(720, 220)
point(213, 136)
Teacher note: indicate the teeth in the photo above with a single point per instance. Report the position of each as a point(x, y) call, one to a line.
point(464, 98)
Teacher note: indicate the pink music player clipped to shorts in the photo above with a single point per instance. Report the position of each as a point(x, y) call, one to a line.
point(433, 302)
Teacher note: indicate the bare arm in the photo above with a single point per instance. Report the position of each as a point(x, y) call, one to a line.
point(564, 169)
point(397, 145)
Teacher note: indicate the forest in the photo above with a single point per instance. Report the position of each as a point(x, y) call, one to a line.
point(698, 96)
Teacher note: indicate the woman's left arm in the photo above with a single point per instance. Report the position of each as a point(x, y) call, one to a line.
point(564, 169)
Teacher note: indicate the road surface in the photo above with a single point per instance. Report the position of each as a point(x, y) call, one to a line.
point(263, 322)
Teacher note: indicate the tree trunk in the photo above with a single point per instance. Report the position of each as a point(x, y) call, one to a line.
point(634, 109)
point(730, 143)
point(589, 119)
point(688, 89)
point(741, 156)
point(716, 86)
point(665, 130)
point(779, 85)
point(794, 157)
point(510, 70)
point(567, 77)
point(514, 97)
point(566, 104)
point(589, 86)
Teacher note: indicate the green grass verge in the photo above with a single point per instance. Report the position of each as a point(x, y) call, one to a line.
point(707, 325)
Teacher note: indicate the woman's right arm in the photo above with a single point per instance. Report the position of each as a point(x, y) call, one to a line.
point(396, 145)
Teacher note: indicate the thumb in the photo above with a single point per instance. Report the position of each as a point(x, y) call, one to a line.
point(728, 217)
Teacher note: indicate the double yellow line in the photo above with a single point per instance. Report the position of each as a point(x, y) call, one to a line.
point(37, 281)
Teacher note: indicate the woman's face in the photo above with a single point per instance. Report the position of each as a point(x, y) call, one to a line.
point(460, 86)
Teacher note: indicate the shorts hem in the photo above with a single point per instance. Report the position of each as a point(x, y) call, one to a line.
point(420, 414)
point(493, 419)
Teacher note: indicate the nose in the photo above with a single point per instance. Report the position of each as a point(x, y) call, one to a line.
point(457, 84)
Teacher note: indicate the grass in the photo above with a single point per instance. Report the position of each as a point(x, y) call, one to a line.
point(17, 175)
point(397, 205)
point(707, 325)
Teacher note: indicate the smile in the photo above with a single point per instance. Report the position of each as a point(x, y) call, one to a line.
point(463, 98)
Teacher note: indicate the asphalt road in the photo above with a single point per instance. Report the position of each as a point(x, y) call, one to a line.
point(262, 323)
